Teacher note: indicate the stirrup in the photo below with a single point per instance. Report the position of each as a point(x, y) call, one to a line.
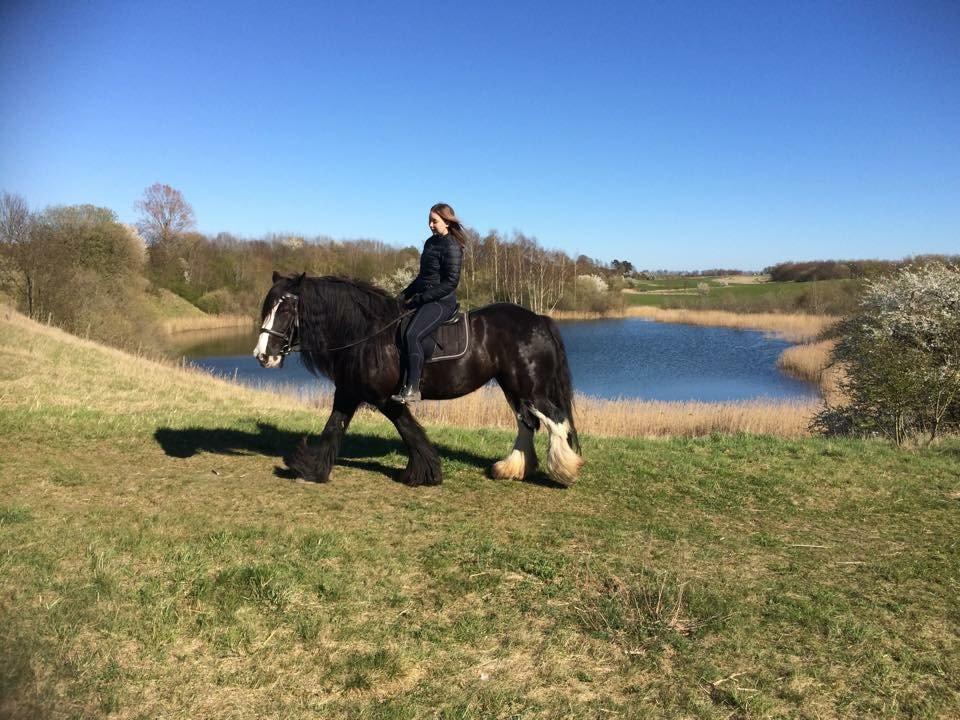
point(408, 394)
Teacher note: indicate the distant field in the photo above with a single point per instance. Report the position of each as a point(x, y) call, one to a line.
point(154, 562)
point(826, 296)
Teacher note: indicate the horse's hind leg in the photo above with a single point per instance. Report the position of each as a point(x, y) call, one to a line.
point(563, 462)
point(423, 465)
point(314, 462)
point(522, 460)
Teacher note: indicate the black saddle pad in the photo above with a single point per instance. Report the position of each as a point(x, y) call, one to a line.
point(449, 341)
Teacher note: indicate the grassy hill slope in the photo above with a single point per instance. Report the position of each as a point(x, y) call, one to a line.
point(167, 305)
point(155, 563)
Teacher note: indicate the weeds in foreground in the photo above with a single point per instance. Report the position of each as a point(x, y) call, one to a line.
point(640, 611)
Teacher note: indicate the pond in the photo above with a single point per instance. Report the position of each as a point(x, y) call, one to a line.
point(622, 358)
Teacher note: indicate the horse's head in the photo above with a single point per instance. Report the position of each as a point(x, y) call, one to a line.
point(279, 321)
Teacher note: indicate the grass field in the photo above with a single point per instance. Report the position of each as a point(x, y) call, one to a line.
point(154, 562)
point(823, 297)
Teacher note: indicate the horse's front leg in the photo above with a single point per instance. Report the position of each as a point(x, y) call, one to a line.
point(423, 466)
point(314, 462)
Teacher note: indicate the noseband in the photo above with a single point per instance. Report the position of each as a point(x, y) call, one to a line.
point(291, 338)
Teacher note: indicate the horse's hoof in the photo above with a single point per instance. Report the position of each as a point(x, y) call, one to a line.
point(302, 462)
point(513, 467)
point(304, 473)
point(412, 479)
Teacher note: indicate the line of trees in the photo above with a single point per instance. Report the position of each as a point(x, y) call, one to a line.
point(227, 274)
point(848, 269)
point(83, 269)
point(77, 266)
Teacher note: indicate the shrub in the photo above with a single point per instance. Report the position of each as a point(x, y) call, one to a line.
point(397, 280)
point(219, 302)
point(901, 357)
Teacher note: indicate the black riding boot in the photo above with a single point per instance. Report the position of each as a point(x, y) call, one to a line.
point(408, 394)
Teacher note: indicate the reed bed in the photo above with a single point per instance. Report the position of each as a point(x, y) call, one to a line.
point(487, 408)
point(807, 361)
point(207, 322)
point(811, 361)
point(585, 314)
point(795, 327)
point(635, 418)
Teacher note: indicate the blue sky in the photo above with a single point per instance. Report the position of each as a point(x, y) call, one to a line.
point(710, 134)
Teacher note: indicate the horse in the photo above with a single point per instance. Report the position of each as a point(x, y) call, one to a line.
point(342, 330)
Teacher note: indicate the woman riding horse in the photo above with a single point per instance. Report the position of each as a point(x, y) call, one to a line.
point(344, 330)
point(432, 293)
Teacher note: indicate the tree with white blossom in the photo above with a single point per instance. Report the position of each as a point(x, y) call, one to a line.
point(900, 353)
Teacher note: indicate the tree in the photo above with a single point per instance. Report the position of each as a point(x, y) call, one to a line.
point(164, 218)
point(16, 240)
point(164, 214)
point(901, 356)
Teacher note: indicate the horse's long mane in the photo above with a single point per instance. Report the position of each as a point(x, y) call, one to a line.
point(337, 311)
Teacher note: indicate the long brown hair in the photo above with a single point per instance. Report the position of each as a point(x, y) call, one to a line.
point(454, 226)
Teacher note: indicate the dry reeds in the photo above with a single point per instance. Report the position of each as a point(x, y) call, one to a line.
point(811, 362)
point(651, 419)
point(207, 322)
point(796, 327)
point(806, 361)
point(584, 314)
point(487, 408)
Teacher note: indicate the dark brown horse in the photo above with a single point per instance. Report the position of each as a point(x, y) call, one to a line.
point(346, 331)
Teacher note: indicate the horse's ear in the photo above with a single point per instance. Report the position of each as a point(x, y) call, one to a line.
point(300, 278)
point(276, 276)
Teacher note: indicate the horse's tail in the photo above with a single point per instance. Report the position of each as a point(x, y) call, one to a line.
point(564, 454)
point(561, 386)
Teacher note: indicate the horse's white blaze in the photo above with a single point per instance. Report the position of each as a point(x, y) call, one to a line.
point(260, 351)
point(563, 463)
point(521, 460)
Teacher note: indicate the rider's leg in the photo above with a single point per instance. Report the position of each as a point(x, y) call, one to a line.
point(426, 320)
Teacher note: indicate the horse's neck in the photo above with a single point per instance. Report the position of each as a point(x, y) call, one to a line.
point(340, 319)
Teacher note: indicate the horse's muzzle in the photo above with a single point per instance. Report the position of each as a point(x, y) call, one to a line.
point(269, 361)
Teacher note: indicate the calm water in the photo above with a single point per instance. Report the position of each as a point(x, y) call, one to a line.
point(628, 358)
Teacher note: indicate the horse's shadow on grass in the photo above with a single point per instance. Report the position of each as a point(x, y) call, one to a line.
point(355, 452)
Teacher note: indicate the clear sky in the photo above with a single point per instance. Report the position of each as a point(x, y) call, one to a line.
point(673, 135)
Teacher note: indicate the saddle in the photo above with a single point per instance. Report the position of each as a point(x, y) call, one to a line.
point(448, 342)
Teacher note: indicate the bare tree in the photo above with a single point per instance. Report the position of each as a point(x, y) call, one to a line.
point(164, 214)
point(16, 231)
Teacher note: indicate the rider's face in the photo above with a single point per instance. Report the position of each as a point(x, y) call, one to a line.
point(437, 225)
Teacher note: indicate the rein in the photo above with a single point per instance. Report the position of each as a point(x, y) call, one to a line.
point(291, 338)
point(373, 335)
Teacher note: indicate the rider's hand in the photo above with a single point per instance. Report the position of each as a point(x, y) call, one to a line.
point(412, 301)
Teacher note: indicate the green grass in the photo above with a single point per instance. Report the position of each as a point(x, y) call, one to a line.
point(166, 305)
point(827, 296)
point(152, 563)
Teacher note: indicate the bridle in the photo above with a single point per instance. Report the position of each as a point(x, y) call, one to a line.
point(291, 338)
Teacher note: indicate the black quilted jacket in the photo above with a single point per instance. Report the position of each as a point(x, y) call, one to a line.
point(439, 270)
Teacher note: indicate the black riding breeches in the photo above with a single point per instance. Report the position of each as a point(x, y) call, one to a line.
point(427, 319)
